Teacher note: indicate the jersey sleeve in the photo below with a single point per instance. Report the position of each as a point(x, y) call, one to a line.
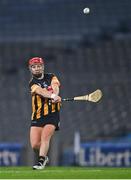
point(55, 80)
point(33, 83)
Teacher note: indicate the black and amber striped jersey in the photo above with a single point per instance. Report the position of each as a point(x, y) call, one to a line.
point(42, 106)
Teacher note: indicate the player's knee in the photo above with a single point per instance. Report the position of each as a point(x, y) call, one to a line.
point(46, 138)
point(35, 145)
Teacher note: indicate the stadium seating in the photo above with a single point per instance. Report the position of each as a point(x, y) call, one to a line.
point(83, 70)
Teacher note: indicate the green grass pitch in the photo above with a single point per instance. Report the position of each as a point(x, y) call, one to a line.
point(64, 173)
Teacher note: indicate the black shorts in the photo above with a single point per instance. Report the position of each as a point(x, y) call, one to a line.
point(53, 118)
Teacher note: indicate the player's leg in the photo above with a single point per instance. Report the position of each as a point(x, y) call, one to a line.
point(35, 140)
point(46, 135)
point(47, 132)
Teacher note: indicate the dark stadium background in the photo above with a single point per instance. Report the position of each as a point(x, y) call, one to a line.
point(86, 52)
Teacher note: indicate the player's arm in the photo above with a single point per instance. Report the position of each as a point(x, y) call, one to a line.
point(35, 89)
point(55, 84)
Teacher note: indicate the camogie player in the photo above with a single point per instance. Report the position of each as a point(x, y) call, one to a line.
point(46, 102)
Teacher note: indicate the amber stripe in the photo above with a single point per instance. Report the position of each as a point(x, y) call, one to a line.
point(58, 106)
point(46, 109)
point(53, 107)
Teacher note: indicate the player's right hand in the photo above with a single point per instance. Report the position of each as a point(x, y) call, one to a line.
point(55, 98)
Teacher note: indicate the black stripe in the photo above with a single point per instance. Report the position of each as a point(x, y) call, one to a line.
point(42, 108)
point(49, 107)
point(36, 106)
point(56, 107)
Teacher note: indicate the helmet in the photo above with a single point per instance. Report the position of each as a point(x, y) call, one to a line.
point(35, 60)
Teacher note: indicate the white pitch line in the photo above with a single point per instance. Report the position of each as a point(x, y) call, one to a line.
point(50, 171)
